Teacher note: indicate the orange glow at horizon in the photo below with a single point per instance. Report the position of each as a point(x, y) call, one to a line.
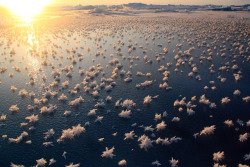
point(25, 8)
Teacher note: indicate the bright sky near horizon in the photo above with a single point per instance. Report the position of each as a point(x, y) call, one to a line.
point(160, 2)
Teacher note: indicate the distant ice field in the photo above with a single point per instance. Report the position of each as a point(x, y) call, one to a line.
point(154, 89)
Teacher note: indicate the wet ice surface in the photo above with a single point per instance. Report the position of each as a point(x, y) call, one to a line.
point(120, 90)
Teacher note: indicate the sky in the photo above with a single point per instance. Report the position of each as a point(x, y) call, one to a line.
point(118, 2)
point(160, 2)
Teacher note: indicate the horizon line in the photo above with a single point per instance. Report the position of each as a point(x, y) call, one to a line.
point(70, 4)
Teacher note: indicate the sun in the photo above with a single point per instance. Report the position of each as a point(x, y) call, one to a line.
point(25, 8)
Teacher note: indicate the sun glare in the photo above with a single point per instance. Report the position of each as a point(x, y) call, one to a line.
point(25, 8)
